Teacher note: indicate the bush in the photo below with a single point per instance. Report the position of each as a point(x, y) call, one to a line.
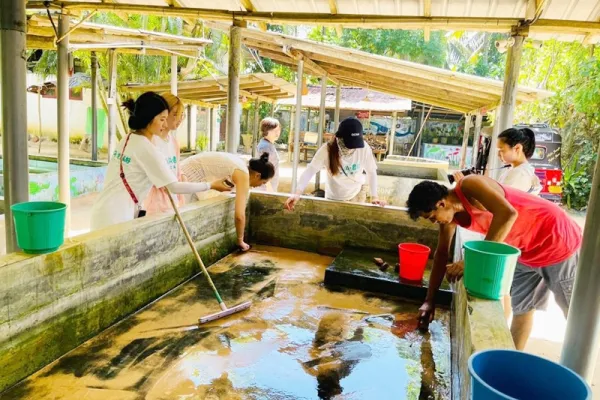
point(577, 178)
point(202, 143)
point(76, 139)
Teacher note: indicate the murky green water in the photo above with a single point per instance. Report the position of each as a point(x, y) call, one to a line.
point(299, 340)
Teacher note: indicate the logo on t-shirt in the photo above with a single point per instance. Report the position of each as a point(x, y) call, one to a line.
point(125, 159)
point(352, 169)
point(172, 162)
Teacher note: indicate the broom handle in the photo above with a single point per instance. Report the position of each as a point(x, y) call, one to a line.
point(191, 243)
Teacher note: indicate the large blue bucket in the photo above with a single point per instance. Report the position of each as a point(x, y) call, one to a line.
point(515, 375)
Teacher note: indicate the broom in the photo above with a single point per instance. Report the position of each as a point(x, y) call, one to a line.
point(225, 311)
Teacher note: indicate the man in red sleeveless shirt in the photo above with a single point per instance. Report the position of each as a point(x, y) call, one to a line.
point(548, 238)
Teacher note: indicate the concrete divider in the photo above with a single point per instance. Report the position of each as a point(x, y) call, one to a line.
point(325, 227)
point(49, 304)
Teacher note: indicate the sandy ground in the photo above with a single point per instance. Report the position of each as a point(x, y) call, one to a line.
point(549, 327)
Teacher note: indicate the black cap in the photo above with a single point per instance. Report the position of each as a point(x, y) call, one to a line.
point(351, 132)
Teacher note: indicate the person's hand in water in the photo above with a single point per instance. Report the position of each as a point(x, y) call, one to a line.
point(377, 202)
point(220, 185)
point(426, 314)
point(454, 271)
point(290, 203)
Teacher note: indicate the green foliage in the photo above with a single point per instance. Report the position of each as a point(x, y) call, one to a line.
point(202, 143)
point(577, 182)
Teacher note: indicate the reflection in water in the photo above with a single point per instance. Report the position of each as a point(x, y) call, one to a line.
point(298, 341)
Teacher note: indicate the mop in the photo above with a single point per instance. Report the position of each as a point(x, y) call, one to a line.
point(225, 311)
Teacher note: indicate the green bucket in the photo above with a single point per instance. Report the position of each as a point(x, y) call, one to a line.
point(40, 226)
point(489, 268)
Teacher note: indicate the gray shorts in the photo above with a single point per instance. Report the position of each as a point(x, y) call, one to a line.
point(531, 287)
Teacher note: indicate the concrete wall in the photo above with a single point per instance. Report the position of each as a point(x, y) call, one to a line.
point(325, 227)
point(478, 324)
point(50, 304)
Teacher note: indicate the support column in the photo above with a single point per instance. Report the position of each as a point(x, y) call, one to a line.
point(215, 128)
point(112, 102)
point(476, 136)
point(174, 75)
point(273, 110)
point(321, 126)
point(421, 125)
point(233, 89)
point(192, 111)
point(392, 137)
point(506, 111)
point(580, 348)
point(336, 115)
point(300, 74)
point(13, 68)
point(465, 142)
point(292, 133)
point(256, 128)
point(62, 99)
point(94, 107)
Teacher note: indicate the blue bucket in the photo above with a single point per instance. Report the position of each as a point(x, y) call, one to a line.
point(515, 375)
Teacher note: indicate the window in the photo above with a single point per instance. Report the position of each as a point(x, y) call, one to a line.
point(539, 153)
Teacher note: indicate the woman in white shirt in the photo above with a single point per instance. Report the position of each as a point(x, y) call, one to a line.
point(515, 148)
point(136, 165)
point(346, 157)
point(221, 166)
point(167, 143)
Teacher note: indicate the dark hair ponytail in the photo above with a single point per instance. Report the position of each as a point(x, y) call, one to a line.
point(523, 136)
point(262, 166)
point(143, 110)
point(335, 162)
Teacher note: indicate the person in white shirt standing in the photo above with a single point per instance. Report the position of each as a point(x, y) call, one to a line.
point(515, 148)
point(347, 158)
point(167, 143)
point(136, 165)
point(270, 128)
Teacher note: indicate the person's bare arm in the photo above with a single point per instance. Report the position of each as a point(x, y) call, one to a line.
point(242, 187)
point(440, 259)
point(504, 215)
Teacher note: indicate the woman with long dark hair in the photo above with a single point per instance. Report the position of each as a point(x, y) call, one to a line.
point(347, 158)
point(137, 165)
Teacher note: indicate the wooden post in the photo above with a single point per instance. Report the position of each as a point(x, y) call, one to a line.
point(94, 107)
point(112, 102)
point(338, 99)
point(465, 141)
point(174, 75)
point(476, 136)
point(256, 128)
point(291, 134)
point(300, 75)
point(233, 89)
point(392, 137)
point(508, 102)
point(321, 127)
point(420, 125)
point(62, 100)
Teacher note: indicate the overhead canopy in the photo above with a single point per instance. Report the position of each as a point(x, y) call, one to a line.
point(561, 19)
point(435, 86)
point(353, 98)
point(209, 92)
point(91, 36)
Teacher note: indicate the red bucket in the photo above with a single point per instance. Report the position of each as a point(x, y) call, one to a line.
point(413, 260)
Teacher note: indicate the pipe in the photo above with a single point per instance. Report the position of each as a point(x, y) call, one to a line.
point(465, 141)
point(580, 347)
point(13, 68)
point(476, 136)
point(94, 107)
point(321, 126)
point(393, 132)
point(233, 90)
point(297, 125)
point(62, 99)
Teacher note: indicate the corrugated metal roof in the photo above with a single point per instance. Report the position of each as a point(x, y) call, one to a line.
point(353, 98)
point(561, 19)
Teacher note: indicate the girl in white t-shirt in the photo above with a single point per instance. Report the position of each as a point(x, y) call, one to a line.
point(167, 143)
point(347, 157)
point(515, 148)
point(136, 165)
point(218, 165)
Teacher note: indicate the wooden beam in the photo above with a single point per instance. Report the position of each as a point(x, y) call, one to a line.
point(333, 9)
point(313, 66)
point(248, 5)
point(426, 13)
point(535, 9)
